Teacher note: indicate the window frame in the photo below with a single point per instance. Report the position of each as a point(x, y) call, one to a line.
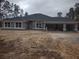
point(39, 25)
point(7, 24)
point(18, 24)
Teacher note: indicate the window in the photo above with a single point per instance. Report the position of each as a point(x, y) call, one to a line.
point(7, 24)
point(18, 24)
point(40, 25)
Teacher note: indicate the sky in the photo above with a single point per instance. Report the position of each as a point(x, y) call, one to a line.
point(47, 7)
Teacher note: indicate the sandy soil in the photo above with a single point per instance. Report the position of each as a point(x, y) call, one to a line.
point(29, 44)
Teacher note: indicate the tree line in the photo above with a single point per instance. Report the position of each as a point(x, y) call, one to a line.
point(73, 12)
point(9, 10)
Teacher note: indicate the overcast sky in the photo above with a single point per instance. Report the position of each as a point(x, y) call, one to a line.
point(48, 7)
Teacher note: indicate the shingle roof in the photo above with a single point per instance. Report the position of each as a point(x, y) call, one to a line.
point(47, 18)
point(16, 18)
point(41, 17)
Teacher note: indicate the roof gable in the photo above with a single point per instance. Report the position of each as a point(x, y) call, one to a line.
point(39, 16)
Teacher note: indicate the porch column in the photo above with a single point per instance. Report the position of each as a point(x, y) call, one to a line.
point(35, 25)
point(3, 25)
point(44, 26)
point(64, 27)
point(22, 25)
point(76, 27)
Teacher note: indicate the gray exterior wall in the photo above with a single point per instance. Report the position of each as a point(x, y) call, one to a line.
point(35, 24)
point(23, 25)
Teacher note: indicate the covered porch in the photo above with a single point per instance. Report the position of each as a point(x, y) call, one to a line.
point(62, 26)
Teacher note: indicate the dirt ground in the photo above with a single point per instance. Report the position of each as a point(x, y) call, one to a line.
point(30, 44)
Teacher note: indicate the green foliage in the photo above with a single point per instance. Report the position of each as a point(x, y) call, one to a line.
point(26, 13)
point(59, 14)
point(9, 10)
point(74, 12)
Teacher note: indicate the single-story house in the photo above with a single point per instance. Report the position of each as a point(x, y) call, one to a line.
point(40, 22)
